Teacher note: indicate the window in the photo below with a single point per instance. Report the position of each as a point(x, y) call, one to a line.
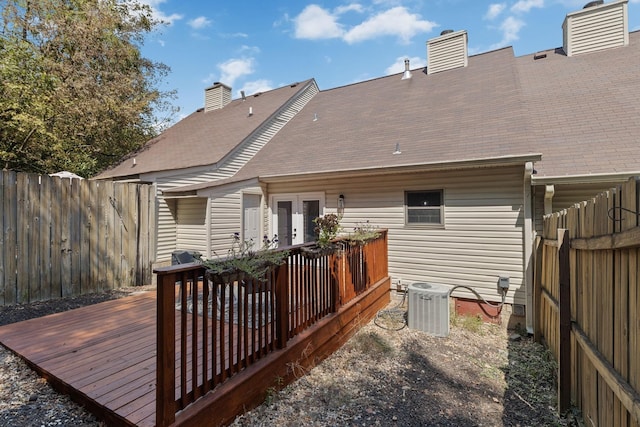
point(424, 207)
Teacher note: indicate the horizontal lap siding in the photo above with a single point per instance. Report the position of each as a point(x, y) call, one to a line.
point(483, 234)
point(167, 211)
point(191, 229)
point(226, 214)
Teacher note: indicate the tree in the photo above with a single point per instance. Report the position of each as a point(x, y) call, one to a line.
point(76, 92)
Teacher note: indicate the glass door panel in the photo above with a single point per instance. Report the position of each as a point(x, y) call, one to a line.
point(310, 211)
point(285, 222)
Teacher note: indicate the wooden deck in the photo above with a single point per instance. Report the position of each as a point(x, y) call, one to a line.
point(102, 355)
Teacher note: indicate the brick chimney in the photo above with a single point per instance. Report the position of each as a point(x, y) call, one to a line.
point(448, 51)
point(596, 27)
point(216, 96)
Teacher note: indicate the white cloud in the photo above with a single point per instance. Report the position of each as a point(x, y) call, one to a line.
point(233, 69)
point(524, 6)
point(154, 5)
point(353, 7)
point(494, 10)
point(394, 22)
point(199, 23)
point(316, 23)
point(510, 28)
point(256, 86)
point(398, 66)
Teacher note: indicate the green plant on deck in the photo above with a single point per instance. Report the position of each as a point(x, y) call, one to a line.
point(241, 257)
point(327, 228)
point(362, 233)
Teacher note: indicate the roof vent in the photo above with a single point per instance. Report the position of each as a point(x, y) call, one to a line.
point(593, 3)
point(216, 97)
point(446, 52)
point(596, 27)
point(407, 73)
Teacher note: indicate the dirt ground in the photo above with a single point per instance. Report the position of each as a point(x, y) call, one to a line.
point(386, 375)
point(389, 375)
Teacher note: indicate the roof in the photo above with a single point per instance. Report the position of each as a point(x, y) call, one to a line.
point(462, 114)
point(585, 110)
point(581, 113)
point(203, 139)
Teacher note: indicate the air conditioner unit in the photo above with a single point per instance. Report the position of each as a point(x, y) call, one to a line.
point(429, 308)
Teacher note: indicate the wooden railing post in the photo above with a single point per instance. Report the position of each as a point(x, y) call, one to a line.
point(282, 304)
point(564, 302)
point(166, 353)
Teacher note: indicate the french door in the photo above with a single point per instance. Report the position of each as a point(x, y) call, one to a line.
point(293, 216)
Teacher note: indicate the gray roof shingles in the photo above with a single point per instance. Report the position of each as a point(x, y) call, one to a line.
point(581, 113)
point(204, 138)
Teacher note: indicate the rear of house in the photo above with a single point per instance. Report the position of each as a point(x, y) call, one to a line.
point(459, 161)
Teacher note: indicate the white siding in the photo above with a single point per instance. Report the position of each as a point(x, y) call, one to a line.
point(596, 28)
point(226, 212)
point(226, 216)
point(191, 231)
point(481, 240)
point(447, 52)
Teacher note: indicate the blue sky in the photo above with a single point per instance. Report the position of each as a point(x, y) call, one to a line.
point(260, 45)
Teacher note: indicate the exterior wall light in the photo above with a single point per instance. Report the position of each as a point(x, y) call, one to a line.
point(341, 205)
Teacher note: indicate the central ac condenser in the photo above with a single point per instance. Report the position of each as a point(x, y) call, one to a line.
point(429, 308)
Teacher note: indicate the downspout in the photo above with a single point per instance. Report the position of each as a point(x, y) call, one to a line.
point(528, 244)
point(208, 221)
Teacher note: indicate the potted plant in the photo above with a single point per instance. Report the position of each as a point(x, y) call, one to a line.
point(362, 233)
point(242, 260)
point(327, 229)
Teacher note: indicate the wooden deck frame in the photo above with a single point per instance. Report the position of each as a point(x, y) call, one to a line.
point(104, 356)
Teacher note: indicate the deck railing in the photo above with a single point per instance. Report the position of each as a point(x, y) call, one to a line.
point(209, 328)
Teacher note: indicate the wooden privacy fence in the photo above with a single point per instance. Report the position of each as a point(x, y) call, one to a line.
point(241, 320)
point(587, 304)
point(65, 237)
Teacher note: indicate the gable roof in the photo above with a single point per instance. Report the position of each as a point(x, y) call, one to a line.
point(585, 110)
point(203, 139)
point(580, 113)
point(460, 115)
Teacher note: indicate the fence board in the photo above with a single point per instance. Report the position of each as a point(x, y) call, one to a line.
point(605, 296)
point(63, 237)
point(56, 239)
point(74, 237)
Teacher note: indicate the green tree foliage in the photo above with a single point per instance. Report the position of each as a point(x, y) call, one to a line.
point(75, 92)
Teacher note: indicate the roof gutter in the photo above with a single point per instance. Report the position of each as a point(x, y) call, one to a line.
point(418, 167)
point(583, 179)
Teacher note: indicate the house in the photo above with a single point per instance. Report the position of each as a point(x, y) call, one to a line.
point(459, 161)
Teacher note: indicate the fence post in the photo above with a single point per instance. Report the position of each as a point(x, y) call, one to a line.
point(537, 288)
point(564, 302)
point(282, 304)
point(165, 353)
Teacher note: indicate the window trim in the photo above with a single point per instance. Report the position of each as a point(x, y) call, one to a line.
point(424, 224)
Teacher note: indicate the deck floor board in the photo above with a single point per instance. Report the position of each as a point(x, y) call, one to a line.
point(104, 355)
